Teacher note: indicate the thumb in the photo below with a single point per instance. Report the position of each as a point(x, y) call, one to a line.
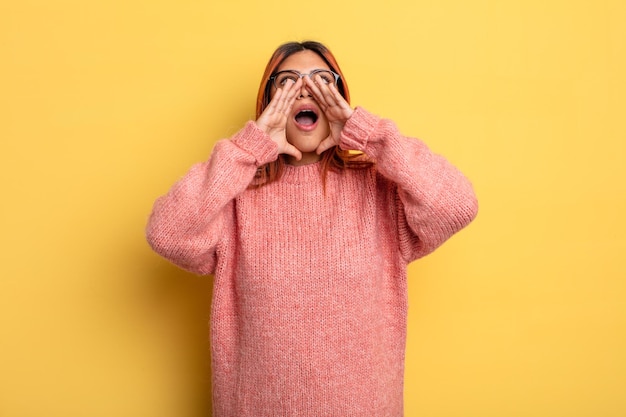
point(327, 143)
point(289, 149)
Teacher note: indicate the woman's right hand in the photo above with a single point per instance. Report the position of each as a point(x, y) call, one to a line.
point(273, 120)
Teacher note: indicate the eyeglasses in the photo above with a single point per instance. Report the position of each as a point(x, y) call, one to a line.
point(282, 77)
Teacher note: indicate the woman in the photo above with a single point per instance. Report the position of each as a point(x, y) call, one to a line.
point(309, 245)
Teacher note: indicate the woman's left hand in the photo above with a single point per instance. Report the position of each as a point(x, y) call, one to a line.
point(334, 106)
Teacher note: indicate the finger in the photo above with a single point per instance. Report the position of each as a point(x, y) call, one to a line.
point(289, 96)
point(337, 96)
point(271, 106)
point(314, 89)
point(284, 94)
point(324, 88)
point(265, 119)
point(293, 94)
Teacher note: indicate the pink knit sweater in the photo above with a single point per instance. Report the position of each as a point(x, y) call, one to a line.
point(310, 291)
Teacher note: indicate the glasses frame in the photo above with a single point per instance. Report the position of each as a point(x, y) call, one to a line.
point(300, 75)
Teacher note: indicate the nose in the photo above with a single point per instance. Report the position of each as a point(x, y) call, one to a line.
point(304, 93)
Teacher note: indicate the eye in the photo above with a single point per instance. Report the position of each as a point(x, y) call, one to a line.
point(327, 76)
point(283, 78)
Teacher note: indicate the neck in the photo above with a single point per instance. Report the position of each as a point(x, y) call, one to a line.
point(307, 158)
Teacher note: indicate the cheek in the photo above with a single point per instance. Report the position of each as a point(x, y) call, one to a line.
point(323, 125)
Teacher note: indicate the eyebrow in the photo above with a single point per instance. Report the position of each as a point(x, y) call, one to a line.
point(293, 70)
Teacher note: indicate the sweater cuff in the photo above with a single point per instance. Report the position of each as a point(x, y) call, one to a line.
point(257, 143)
point(358, 130)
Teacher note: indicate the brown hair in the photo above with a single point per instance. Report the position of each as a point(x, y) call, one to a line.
point(331, 158)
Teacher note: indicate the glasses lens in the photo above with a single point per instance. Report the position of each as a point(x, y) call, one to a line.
point(327, 76)
point(282, 78)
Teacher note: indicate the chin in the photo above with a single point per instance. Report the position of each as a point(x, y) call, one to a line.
point(307, 141)
point(307, 147)
point(304, 143)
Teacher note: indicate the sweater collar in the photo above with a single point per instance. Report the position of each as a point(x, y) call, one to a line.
point(299, 174)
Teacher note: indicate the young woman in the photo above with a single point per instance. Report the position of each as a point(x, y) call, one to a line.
point(308, 218)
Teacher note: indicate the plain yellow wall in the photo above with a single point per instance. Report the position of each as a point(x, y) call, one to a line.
point(104, 104)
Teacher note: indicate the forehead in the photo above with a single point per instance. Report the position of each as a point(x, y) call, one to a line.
point(303, 61)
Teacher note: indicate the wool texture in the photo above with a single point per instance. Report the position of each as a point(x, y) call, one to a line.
point(309, 306)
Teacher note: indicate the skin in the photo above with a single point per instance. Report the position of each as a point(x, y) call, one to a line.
point(278, 119)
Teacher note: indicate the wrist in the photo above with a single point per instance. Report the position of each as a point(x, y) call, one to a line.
point(358, 130)
point(254, 140)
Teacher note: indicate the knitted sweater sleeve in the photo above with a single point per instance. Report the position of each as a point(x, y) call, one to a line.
point(434, 200)
point(187, 225)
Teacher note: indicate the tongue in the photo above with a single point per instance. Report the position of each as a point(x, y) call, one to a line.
point(305, 119)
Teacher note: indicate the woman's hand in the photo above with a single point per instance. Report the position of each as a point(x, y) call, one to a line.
point(274, 118)
point(334, 106)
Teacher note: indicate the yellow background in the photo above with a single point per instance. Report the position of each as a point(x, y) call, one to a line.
point(104, 104)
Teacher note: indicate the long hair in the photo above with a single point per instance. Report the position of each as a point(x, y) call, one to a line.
point(331, 158)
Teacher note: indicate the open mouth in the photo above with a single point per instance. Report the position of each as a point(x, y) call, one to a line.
point(306, 117)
